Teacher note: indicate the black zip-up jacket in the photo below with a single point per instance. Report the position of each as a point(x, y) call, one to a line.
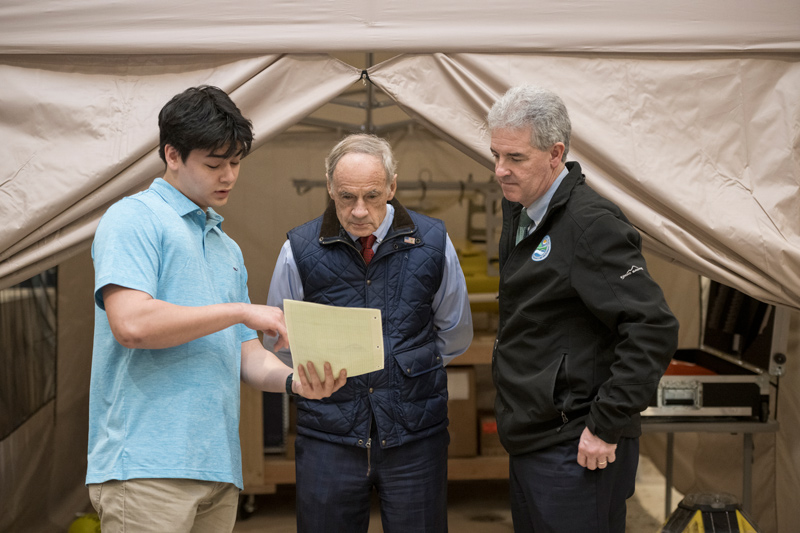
point(584, 334)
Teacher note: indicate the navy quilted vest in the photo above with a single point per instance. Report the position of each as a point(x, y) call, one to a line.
point(408, 398)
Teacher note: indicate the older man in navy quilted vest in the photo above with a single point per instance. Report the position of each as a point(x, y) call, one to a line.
point(385, 430)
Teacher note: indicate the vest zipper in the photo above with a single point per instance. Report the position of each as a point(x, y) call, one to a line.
point(369, 453)
point(353, 246)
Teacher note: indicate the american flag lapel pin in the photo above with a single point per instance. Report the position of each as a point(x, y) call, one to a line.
point(409, 240)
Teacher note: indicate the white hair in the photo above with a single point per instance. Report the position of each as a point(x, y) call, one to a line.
point(526, 106)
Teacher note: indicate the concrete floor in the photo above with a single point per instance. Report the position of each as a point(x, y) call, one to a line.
point(473, 506)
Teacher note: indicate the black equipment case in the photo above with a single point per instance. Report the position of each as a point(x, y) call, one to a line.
point(729, 376)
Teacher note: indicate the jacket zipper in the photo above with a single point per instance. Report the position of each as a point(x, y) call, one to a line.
point(564, 419)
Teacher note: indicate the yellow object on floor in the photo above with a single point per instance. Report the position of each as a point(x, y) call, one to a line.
point(88, 523)
point(707, 513)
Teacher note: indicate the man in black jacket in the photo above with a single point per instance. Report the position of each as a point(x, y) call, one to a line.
point(584, 333)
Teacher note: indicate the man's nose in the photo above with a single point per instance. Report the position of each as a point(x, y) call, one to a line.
point(360, 209)
point(500, 168)
point(229, 174)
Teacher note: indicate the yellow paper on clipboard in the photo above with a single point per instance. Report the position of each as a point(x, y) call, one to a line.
point(346, 337)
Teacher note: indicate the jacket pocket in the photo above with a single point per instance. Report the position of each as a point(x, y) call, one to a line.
point(528, 401)
point(420, 387)
point(337, 418)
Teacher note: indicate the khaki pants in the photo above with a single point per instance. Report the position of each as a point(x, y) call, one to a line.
point(159, 505)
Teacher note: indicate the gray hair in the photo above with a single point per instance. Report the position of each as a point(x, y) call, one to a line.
point(537, 108)
point(362, 143)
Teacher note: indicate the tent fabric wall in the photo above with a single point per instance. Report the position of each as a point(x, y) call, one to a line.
point(84, 134)
point(701, 151)
point(701, 154)
point(251, 26)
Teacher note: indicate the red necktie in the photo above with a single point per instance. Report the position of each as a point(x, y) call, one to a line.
point(366, 247)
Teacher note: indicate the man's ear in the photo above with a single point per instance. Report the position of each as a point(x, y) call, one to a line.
point(392, 188)
point(330, 185)
point(556, 153)
point(172, 156)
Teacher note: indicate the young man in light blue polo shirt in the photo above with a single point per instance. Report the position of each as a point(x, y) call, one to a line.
point(175, 332)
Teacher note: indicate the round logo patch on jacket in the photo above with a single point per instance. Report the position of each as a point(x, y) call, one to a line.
point(543, 250)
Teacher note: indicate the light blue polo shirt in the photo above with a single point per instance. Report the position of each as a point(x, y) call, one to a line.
point(173, 412)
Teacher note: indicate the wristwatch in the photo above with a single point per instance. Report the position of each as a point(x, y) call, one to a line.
point(289, 390)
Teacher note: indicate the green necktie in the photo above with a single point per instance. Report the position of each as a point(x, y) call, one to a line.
point(524, 223)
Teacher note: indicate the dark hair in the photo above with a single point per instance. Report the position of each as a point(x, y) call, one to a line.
point(203, 118)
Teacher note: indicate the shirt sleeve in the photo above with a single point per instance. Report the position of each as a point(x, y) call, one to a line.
point(245, 333)
point(285, 284)
point(452, 316)
point(610, 275)
point(126, 249)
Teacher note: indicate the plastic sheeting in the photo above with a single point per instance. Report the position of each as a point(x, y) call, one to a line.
point(27, 350)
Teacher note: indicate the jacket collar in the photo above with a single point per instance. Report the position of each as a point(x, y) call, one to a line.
point(331, 228)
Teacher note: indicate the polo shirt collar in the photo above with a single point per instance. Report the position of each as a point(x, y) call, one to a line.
point(180, 202)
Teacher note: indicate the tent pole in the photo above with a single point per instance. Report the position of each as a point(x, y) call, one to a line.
point(368, 125)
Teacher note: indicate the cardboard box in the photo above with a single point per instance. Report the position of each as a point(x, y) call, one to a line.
point(490, 440)
point(461, 410)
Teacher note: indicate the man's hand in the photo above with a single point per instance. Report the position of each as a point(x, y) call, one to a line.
point(313, 388)
point(270, 320)
point(594, 452)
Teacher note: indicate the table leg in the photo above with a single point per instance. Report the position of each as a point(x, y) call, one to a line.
point(668, 475)
point(747, 472)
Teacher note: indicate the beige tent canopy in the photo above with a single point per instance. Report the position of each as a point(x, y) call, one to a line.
point(249, 27)
point(685, 113)
point(699, 150)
